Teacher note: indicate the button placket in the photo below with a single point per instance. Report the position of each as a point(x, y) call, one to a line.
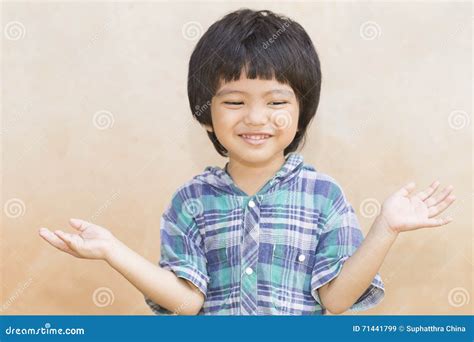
point(249, 261)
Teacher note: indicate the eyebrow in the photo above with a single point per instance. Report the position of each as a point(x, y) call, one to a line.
point(273, 91)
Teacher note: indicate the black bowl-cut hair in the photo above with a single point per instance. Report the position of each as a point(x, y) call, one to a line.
point(264, 45)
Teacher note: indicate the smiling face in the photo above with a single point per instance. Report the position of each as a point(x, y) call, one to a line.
point(254, 119)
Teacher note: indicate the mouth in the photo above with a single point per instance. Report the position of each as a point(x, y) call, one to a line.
point(255, 139)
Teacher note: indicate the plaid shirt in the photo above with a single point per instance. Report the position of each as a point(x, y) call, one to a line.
point(265, 254)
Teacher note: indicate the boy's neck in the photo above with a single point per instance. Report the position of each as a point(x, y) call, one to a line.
point(251, 177)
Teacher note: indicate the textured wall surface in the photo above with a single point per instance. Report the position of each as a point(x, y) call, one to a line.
point(96, 125)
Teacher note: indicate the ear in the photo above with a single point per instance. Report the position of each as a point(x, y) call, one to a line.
point(208, 128)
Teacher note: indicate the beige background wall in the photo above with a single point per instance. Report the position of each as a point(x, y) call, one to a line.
point(96, 125)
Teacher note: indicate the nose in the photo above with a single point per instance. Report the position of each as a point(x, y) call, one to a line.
point(256, 116)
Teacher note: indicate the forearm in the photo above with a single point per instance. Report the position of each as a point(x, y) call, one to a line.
point(160, 285)
point(360, 269)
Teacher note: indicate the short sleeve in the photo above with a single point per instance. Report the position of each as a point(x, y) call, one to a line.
point(339, 240)
point(182, 249)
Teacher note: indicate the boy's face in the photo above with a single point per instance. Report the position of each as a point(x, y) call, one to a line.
point(254, 119)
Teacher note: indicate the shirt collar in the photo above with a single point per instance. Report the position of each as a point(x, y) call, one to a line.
point(221, 180)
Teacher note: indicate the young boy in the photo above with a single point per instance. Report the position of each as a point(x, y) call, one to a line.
point(267, 234)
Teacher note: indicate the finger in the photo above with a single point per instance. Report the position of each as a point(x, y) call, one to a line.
point(440, 207)
point(51, 238)
point(79, 224)
point(55, 241)
point(406, 189)
point(69, 239)
point(436, 222)
point(423, 195)
point(434, 200)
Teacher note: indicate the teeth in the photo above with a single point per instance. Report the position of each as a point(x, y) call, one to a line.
point(255, 137)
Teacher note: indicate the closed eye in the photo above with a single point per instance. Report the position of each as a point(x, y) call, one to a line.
point(276, 103)
point(234, 103)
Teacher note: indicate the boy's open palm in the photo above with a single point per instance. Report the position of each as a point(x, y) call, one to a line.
point(403, 211)
point(91, 242)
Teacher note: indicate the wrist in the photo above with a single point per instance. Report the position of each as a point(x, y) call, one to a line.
point(383, 229)
point(113, 250)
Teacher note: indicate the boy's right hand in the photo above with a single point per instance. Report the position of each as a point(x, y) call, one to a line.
point(92, 242)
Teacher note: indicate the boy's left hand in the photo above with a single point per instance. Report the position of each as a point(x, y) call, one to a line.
point(403, 211)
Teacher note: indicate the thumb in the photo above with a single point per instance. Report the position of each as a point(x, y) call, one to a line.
point(406, 189)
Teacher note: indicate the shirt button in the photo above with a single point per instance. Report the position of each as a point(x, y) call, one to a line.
point(251, 204)
point(249, 270)
point(301, 257)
